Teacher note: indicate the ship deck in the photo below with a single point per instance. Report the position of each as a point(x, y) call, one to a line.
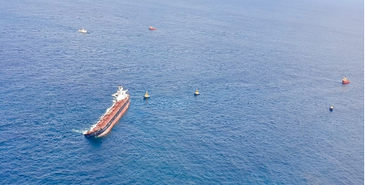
point(109, 115)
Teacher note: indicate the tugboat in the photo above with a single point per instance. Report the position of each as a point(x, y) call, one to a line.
point(111, 116)
point(146, 96)
point(345, 80)
point(152, 28)
point(196, 92)
point(82, 30)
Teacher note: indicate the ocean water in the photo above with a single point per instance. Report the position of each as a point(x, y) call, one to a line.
point(267, 72)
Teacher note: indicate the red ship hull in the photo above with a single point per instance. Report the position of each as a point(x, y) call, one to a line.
point(345, 81)
point(107, 122)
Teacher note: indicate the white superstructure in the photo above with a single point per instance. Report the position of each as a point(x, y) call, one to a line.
point(120, 94)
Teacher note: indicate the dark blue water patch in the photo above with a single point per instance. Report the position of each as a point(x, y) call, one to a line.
point(267, 73)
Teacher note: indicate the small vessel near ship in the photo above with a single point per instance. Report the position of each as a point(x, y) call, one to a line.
point(146, 96)
point(345, 80)
point(196, 93)
point(82, 30)
point(112, 114)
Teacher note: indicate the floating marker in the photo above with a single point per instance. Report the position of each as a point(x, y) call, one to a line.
point(146, 96)
point(196, 92)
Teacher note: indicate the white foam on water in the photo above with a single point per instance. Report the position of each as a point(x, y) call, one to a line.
point(79, 131)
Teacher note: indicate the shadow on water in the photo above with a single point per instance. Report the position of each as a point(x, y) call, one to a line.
point(95, 142)
point(145, 101)
point(344, 87)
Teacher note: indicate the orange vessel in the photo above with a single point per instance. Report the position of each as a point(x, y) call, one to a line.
point(152, 28)
point(345, 80)
point(111, 116)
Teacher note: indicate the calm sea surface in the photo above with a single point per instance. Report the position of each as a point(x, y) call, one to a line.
point(267, 72)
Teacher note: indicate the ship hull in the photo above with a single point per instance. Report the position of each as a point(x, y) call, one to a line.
point(345, 82)
point(102, 128)
point(115, 121)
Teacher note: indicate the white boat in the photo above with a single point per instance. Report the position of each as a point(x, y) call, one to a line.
point(82, 30)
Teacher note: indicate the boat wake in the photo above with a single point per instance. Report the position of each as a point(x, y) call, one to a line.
point(79, 131)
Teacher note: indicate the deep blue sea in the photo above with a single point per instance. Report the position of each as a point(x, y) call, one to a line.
point(267, 72)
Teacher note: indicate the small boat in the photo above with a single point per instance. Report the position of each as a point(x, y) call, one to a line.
point(331, 108)
point(152, 28)
point(146, 96)
point(196, 92)
point(345, 80)
point(82, 30)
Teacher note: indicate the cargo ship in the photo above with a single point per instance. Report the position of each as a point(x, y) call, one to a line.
point(111, 116)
